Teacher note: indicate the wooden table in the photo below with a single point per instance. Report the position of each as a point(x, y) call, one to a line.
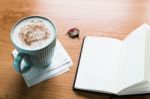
point(111, 18)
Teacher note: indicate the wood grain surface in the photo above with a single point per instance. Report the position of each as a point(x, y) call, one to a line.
point(111, 18)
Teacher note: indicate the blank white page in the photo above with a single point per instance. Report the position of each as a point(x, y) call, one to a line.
point(98, 65)
point(132, 60)
point(147, 66)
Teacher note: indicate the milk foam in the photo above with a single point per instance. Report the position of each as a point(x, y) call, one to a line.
point(37, 45)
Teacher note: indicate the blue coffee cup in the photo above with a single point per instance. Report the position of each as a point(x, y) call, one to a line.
point(33, 57)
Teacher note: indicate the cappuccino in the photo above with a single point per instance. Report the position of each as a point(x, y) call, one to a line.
point(33, 33)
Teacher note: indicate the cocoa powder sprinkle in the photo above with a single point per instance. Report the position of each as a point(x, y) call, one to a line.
point(35, 31)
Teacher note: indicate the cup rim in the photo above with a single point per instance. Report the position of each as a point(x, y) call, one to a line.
point(30, 50)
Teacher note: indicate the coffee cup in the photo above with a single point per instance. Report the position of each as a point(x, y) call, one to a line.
point(34, 38)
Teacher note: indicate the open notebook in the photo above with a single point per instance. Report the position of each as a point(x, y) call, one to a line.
point(112, 66)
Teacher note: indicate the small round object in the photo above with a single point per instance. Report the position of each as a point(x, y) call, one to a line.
point(73, 33)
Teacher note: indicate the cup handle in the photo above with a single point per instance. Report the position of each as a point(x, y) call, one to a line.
point(17, 63)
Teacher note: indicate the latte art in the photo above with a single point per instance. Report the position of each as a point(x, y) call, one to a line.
point(34, 34)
